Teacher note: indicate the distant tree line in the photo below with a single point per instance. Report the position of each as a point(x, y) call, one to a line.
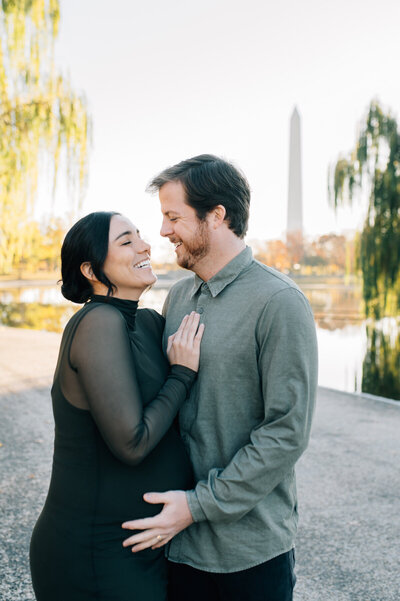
point(329, 254)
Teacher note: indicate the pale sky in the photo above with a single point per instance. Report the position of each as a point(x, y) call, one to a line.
point(166, 80)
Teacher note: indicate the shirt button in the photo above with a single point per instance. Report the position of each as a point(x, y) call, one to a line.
point(200, 310)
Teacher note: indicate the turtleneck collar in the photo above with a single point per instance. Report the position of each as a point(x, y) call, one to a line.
point(128, 308)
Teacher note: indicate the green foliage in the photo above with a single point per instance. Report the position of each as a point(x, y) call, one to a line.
point(40, 115)
point(374, 166)
point(42, 249)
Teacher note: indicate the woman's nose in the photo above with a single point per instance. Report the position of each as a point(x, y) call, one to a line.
point(145, 247)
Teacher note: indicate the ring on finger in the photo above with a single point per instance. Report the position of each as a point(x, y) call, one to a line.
point(158, 539)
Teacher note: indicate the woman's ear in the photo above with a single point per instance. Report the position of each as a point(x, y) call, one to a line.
point(87, 272)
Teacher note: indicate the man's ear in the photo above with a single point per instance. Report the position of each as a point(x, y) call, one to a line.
point(218, 216)
point(87, 271)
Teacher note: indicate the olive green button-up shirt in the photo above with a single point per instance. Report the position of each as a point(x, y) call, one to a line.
point(248, 417)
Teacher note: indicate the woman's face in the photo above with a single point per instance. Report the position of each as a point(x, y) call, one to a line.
point(127, 264)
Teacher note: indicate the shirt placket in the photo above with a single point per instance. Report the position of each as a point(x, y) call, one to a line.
point(189, 411)
point(203, 300)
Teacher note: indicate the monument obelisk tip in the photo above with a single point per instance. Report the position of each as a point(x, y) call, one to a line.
point(295, 198)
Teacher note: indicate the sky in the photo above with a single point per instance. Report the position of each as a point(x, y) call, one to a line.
point(168, 80)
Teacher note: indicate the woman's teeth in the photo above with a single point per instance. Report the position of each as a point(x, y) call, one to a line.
point(143, 264)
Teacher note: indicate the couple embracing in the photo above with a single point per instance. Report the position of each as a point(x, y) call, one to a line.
point(176, 436)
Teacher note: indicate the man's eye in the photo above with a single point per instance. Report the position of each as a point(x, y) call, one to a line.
point(173, 218)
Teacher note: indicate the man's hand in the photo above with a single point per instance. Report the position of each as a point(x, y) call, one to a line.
point(158, 530)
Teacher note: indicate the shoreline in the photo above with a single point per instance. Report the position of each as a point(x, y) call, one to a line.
point(27, 335)
point(163, 281)
point(173, 275)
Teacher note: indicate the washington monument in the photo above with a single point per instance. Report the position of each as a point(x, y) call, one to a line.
point(295, 195)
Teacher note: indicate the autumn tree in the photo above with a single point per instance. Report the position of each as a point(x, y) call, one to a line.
point(40, 117)
point(373, 167)
point(273, 253)
point(331, 254)
point(295, 247)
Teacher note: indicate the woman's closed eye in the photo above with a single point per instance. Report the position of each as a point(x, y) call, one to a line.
point(125, 243)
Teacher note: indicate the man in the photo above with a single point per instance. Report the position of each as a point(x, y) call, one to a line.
point(248, 417)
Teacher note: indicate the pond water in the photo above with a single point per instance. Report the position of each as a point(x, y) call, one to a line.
point(354, 354)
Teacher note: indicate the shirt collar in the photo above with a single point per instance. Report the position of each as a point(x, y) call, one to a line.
point(226, 275)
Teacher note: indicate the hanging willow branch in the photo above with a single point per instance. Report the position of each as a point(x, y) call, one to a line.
point(374, 165)
point(39, 114)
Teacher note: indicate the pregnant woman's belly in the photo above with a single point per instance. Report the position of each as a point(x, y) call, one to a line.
point(101, 489)
point(76, 547)
point(122, 487)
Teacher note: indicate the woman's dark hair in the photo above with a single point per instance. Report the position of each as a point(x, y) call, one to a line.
point(209, 181)
point(87, 240)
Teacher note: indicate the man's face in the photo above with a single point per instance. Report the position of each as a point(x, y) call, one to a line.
point(182, 227)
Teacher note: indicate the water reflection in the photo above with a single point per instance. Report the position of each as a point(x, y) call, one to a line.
point(335, 306)
point(36, 316)
point(45, 308)
point(341, 353)
point(35, 307)
point(381, 365)
point(355, 355)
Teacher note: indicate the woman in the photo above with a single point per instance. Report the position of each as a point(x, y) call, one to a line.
point(114, 402)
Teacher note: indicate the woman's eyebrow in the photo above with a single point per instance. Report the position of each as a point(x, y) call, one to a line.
point(123, 234)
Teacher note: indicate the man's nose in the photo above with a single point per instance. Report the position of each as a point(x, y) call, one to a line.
point(166, 229)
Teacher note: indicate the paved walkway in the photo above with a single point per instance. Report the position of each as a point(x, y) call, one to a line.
point(348, 545)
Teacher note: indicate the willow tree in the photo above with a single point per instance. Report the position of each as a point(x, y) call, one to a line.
point(42, 120)
point(373, 169)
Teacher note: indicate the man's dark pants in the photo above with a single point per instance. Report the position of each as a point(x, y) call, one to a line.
point(273, 580)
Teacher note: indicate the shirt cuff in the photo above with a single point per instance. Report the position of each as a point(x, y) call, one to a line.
point(198, 514)
point(184, 374)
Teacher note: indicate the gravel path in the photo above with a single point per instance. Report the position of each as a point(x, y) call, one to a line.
point(349, 482)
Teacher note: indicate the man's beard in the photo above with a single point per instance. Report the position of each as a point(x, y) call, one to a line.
point(196, 248)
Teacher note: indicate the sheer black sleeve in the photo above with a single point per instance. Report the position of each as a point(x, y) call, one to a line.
point(101, 355)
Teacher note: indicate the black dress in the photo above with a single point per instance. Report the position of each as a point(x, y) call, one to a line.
point(107, 457)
